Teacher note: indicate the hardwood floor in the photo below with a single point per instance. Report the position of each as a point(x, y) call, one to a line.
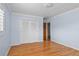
point(47, 48)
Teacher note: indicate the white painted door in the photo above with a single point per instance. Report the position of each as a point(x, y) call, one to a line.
point(30, 32)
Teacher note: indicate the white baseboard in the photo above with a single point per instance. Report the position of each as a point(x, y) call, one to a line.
point(66, 45)
point(25, 42)
point(7, 51)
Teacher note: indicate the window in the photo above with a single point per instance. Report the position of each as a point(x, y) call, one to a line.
point(1, 19)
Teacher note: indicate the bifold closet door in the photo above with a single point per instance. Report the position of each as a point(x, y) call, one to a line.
point(34, 33)
point(25, 32)
point(30, 32)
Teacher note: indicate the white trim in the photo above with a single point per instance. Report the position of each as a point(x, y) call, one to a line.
point(65, 45)
point(26, 43)
point(25, 15)
point(73, 10)
point(7, 50)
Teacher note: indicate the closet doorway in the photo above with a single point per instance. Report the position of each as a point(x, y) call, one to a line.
point(46, 32)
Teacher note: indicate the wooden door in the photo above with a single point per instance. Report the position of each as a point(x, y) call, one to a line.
point(48, 24)
point(44, 31)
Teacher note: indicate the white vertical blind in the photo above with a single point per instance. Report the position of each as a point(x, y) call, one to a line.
point(1, 19)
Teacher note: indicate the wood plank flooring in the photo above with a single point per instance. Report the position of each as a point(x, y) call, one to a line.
point(46, 48)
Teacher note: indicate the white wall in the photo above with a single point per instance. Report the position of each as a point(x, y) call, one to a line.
point(65, 28)
point(5, 36)
point(19, 35)
point(46, 19)
point(13, 31)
